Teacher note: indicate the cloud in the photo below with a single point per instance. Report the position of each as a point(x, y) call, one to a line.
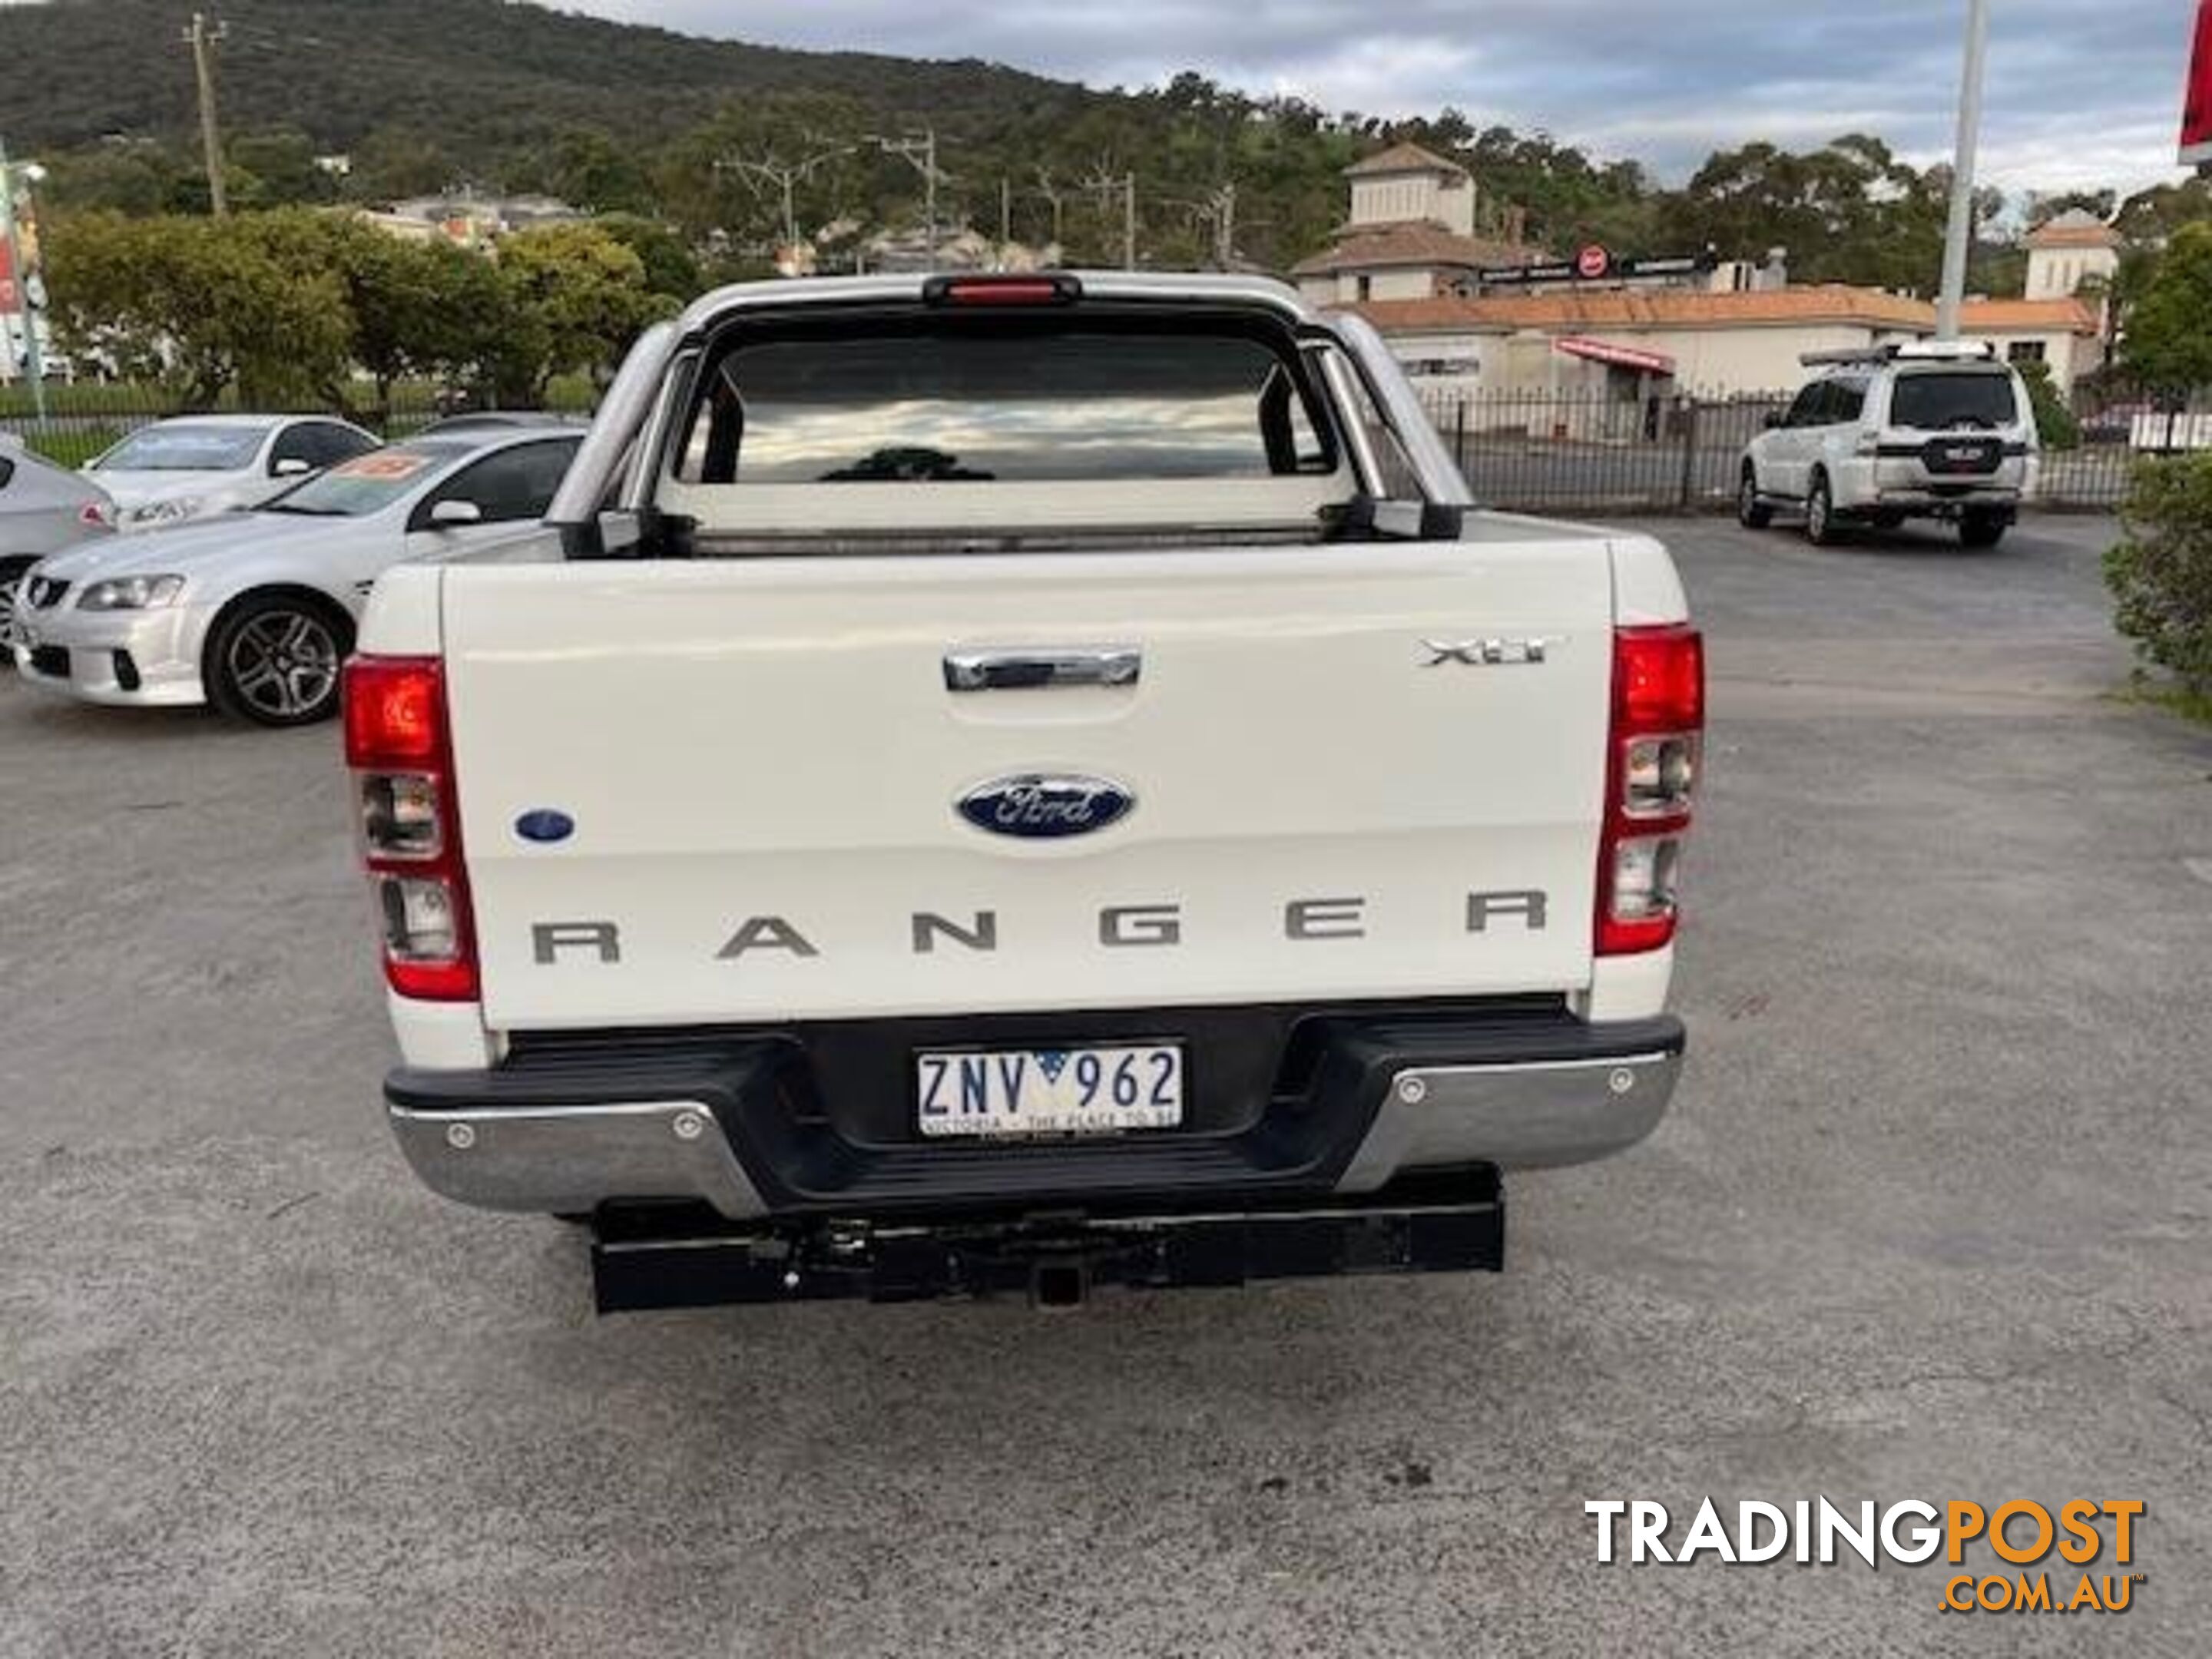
point(2077, 94)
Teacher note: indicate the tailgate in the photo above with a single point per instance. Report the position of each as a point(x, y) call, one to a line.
point(765, 767)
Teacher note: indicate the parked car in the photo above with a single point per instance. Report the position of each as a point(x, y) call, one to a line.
point(495, 420)
point(198, 465)
point(43, 509)
point(1936, 430)
point(1012, 783)
point(255, 610)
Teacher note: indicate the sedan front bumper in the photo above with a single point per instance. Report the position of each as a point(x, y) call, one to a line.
point(142, 658)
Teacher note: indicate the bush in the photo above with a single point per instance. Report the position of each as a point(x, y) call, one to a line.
point(2161, 574)
point(2055, 424)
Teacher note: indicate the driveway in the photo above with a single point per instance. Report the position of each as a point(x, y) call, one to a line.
point(1929, 1219)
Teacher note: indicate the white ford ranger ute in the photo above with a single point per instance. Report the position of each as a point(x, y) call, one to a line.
point(1017, 783)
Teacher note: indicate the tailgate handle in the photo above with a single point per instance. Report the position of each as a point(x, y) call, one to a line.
point(1043, 667)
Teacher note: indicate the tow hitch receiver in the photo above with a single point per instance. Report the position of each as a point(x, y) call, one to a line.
point(647, 1256)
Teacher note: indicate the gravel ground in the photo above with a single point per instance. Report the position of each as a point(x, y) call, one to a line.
point(1928, 1221)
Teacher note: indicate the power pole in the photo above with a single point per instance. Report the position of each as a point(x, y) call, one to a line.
point(1005, 214)
point(921, 153)
point(1105, 185)
point(201, 37)
point(1957, 241)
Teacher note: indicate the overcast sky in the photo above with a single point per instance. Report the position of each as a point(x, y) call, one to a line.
point(2080, 92)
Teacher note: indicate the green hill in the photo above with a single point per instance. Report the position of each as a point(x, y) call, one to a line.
point(465, 75)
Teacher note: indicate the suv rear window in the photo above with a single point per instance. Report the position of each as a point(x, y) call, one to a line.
point(969, 406)
point(1936, 402)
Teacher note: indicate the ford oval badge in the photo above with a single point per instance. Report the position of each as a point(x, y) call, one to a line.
point(543, 824)
point(1045, 805)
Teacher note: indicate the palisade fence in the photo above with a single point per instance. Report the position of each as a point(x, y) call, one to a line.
point(1594, 453)
point(85, 418)
point(1537, 451)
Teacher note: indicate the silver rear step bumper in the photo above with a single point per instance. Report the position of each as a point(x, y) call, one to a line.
point(712, 1123)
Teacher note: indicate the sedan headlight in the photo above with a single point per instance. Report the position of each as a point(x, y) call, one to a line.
point(130, 593)
point(166, 512)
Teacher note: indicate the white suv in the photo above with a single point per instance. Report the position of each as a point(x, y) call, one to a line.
point(1935, 430)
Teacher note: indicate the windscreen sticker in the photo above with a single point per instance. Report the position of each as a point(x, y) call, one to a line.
point(380, 463)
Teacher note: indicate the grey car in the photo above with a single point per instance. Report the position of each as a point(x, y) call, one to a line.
point(43, 509)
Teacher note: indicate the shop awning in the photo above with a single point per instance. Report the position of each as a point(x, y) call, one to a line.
point(1621, 357)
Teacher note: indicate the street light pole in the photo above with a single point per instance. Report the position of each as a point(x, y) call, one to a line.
point(1959, 238)
point(32, 360)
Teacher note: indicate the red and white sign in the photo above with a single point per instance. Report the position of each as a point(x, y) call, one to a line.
point(1620, 357)
point(10, 301)
point(2197, 104)
point(1592, 263)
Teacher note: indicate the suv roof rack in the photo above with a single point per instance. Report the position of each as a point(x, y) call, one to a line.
point(1908, 350)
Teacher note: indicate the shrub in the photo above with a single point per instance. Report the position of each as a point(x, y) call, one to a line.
point(2054, 422)
point(2161, 573)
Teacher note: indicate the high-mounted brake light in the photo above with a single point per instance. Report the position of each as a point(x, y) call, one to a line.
point(1056, 289)
point(408, 824)
point(1654, 748)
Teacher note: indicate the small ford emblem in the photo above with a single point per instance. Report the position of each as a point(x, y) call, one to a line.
point(543, 824)
point(1044, 806)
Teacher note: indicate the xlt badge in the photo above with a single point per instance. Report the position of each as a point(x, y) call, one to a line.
point(1045, 805)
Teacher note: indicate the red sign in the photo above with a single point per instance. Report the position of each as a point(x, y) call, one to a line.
point(1593, 262)
point(10, 301)
point(2197, 106)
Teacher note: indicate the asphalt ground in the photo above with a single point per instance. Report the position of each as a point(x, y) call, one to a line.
point(1928, 1221)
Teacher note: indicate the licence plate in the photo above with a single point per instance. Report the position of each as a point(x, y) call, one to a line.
point(1050, 1091)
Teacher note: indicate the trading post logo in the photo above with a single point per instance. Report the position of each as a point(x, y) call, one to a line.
point(2020, 1535)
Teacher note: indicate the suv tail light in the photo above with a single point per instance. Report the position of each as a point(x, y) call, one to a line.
point(1654, 751)
point(408, 824)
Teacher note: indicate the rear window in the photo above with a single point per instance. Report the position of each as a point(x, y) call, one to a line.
point(981, 407)
point(1936, 402)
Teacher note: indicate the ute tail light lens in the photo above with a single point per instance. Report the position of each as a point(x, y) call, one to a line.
point(408, 824)
point(1655, 748)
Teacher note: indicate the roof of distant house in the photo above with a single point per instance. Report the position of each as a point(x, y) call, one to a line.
point(2076, 228)
point(2027, 317)
point(1412, 242)
point(1403, 158)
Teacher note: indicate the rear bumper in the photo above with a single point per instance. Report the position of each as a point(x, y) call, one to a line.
point(1362, 1102)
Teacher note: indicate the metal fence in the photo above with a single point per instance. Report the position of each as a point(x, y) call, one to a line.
point(1585, 452)
point(83, 419)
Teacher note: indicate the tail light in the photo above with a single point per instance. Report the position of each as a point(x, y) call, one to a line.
point(401, 752)
point(1655, 748)
point(94, 515)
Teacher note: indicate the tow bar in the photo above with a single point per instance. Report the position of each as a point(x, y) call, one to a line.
point(647, 1256)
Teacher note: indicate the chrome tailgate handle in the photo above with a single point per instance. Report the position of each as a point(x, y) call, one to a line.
point(1026, 670)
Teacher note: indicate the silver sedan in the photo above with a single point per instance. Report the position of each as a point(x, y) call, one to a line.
point(43, 508)
point(254, 611)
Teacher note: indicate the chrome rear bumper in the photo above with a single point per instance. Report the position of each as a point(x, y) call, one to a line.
point(737, 1122)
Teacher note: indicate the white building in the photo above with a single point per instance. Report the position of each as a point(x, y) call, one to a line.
point(1412, 233)
point(2068, 250)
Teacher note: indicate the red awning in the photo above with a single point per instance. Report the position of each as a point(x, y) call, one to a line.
point(1621, 357)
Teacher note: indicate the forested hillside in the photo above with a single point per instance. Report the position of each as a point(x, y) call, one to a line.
point(699, 133)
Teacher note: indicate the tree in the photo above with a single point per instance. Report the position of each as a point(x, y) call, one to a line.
point(200, 305)
point(669, 266)
point(2168, 344)
point(574, 299)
